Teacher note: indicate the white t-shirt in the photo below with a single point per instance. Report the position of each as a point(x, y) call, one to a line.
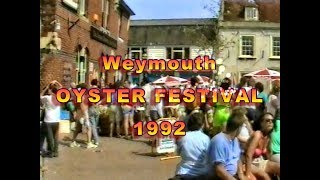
point(244, 132)
point(52, 111)
point(270, 107)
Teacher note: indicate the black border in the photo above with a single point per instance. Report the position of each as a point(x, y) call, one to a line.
point(298, 115)
point(20, 89)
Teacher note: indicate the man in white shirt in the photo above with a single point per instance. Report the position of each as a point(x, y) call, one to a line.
point(251, 107)
point(52, 117)
point(156, 109)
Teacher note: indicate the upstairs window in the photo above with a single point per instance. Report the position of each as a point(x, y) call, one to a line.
point(251, 14)
point(81, 6)
point(178, 53)
point(247, 46)
point(138, 53)
point(275, 47)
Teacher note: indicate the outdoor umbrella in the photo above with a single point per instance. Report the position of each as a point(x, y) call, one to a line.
point(265, 73)
point(203, 79)
point(170, 81)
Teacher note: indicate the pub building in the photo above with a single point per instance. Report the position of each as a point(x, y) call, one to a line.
point(74, 36)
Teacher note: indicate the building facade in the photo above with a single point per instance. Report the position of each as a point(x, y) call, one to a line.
point(166, 39)
point(76, 33)
point(250, 31)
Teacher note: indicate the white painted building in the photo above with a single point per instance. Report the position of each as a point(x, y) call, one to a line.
point(251, 34)
point(165, 39)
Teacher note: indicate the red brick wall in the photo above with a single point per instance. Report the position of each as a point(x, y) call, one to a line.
point(79, 34)
point(47, 11)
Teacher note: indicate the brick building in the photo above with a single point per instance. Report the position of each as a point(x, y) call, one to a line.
point(76, 33)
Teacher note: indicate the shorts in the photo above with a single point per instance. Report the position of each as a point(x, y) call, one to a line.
point(127, 112)
point(275, 158)
point(80, 125)
point(260, 163)
point(79, 117)
point(115, 113)
point(83, 122)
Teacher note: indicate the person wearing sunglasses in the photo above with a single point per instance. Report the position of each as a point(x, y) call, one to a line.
point(257, 153)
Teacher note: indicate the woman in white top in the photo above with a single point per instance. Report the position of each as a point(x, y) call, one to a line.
point(272, 104)
point(52, 117)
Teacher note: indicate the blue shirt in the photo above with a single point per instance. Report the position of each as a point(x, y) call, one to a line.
point(225, 151)
point(193, 149)
point(263, 96)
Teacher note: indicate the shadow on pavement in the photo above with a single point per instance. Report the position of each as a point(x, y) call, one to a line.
point(67, 140)
point(150, 154)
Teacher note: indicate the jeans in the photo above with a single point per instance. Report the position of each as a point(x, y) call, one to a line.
point(94, 121)
point(52, 135)
point(43, 135)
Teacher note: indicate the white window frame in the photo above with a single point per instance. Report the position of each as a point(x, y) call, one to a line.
point(80, 7)
point(135, 51)
point(105, 12)
point(254, 47)
point(271, 48)
point(71, 4)
point(120, 23)
point(178, 51)
point(140, 51)
point(251, 11)
point(82, 70)
point(173, 51)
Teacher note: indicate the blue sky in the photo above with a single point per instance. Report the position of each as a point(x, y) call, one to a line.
point(170, 9)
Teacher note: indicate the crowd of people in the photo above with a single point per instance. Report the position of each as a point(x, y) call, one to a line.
point(245, 137)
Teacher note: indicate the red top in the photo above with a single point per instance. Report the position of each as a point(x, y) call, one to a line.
point(209, 99)
point(242, 103)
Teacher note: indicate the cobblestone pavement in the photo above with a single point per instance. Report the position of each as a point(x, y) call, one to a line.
point(116, 159)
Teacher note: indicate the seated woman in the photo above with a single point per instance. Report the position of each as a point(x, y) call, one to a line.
point(193, 149)
point(258, 153)
point(275, 140)
point(246, 129)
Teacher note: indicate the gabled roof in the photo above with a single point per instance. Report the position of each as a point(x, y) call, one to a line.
point(269, 10)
